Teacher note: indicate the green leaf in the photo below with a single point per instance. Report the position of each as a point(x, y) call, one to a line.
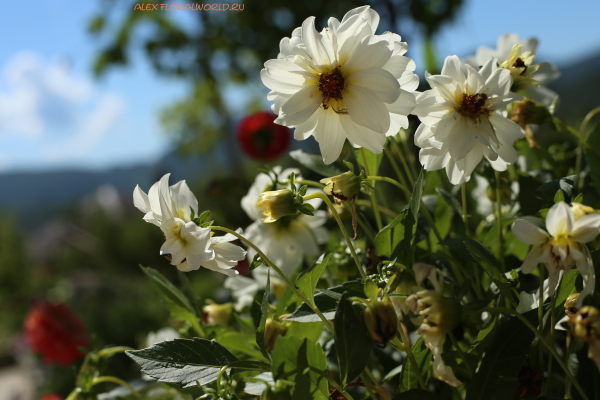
point(388, 238)
point(352, 342)
point(563, 184)
point(260, 329)
point(203, 217)
point(369, 161)
point(451, 200)
point(323, 302)
point(306, 209)
point(179, 305)
point(315, 163)
point(303, 190)
point(592, 157)
point(559, 196)
point(415, 394)
point(530, 199)
point(308, 279)
point(183, 361)
point(578, 199)
point(497, 377)
point(257, 388)
point(257, 261)
point(484, 257)
point(290, 353)
point(483, 337)
point(567, 284)
point(423, 358)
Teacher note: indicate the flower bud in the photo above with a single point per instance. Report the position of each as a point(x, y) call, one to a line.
point(381, 321)
point(571, 304)
point(585, 324)
point(527, 112)
point(343, 188)
point(440, 314)
point(579, 210)
point(273, 329)
point(217, 314)
point(276, 204)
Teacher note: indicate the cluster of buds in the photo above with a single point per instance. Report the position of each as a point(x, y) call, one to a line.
point(585, 325)
point(280, 203)
point(379, 316)
point(218, 314)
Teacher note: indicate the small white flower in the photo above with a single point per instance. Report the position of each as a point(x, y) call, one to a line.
point(562, 245)
point(345, 82)
point(189, 245)
point(508, 57)
point(462, 120)
point(288, 239)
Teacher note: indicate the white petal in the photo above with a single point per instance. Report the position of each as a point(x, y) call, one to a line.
point(378, 81)
point(529, 233)
point(184, 198)
point(433, 159)
point(453, 68)
point(498, 83)
point(409, 81)
point(278, 86)
point(586, 228)
point(366, 109)
point(317, 47)
point(560, 220)
point(140, 200)
point(361, 136)
point(307, 128)
point(397, 65)
point(349, 35)
point(300, 106)
point(330, 135)
point(475, 82)
point(371, 52)
point(404, 105)
point(532, 260)
point(448, 88)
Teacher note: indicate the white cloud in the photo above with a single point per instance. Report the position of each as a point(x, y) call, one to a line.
point(46, 103)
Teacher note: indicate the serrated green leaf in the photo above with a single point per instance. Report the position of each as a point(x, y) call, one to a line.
point(291, 352)
point(423, 358)
point(308, 279)
point(315, 163)
point(203, 217)
point(352, 342)
point(497, 376)
point(183, 361)
point(306, 209)
point(177, 303)
point(303, 190)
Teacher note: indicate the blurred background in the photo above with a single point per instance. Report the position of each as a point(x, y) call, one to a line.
point(96, 97)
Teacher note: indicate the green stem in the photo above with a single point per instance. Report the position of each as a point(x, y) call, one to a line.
point(388, 180)
point(396, 169)
point(499, 222)
point(429, 219)
point(411, 357)
point(368, 386)
point(544, 341)
point(278, 271)
point(552, 323)
point(332, 382)
point(74, 393)
point(118, 381)
point(460, 352)
point(464, 207)
point(384, 210)
point(113, 350)
point(404, 163)
point(582, 129)
point(373, 197)
point(310, 183)
point(342, 228)
point(239, 364)
point(541, 316)
point(196, 325)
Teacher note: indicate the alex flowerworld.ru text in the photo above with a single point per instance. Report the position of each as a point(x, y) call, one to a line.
point(192, 7)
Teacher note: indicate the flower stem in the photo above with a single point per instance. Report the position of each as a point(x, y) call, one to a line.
point(463, 188)
point(389, 180)
point(582, 129)
point(113, 350)
point(552, 323)
point(411, 357)
point(399, 174)
point(384, 210)
point(429, 219)
point(368, 385)
point(278, 271)
point(404, 163)
point(541, 316)
point(544, 341)
point(310, 183)
point(240, 364)
point(342, 227)
point(373, 197)
point(499, 222)
point(118, 381)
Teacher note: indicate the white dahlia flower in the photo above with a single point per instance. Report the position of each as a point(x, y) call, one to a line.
point(561, 245)
point(462, 120)
point(188, 245)
point(288, 239)
point(345, 82)
point(517, 56)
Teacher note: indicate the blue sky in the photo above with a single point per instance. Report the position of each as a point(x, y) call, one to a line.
point(54, 114)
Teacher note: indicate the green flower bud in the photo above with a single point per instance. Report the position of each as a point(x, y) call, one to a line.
point(276, 204)
point(217, 314)
point(273, 329)
point(381, 321)
point(343, 188)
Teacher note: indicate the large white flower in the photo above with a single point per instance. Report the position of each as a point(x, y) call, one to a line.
point(515, 60)
point(462, 120)
point(561, 245)
point(288, 239)
point(345, 82)
point(189, 245)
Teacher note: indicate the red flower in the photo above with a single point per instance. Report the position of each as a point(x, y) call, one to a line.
point(51, 396)
point(261, 138)
point(56, 333)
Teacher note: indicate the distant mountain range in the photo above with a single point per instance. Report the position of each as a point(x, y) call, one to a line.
point(36, 196)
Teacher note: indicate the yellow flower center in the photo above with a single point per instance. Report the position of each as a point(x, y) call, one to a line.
point(473, 105)
point(331, 86)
